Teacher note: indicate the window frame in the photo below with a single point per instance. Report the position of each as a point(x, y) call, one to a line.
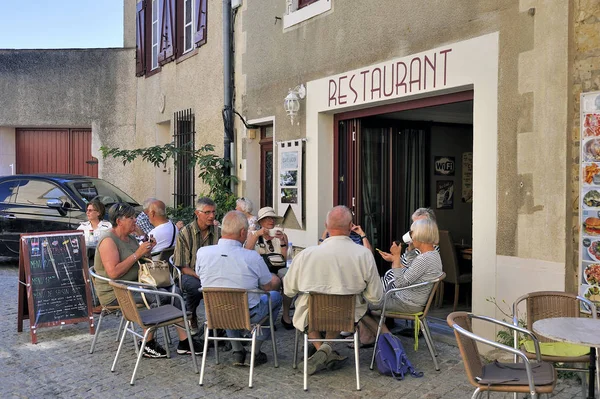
point(154, 40)
point(303, 10)
point(190, 24)
point(266, 145)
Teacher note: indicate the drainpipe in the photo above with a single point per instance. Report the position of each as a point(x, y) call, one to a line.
point(228, 138)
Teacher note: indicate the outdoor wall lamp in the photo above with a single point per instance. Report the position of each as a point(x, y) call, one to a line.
point(291, 103)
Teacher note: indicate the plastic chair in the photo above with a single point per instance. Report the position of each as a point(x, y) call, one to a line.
point(420, 321)
point(548, 304)
point(450, 267)
point(149, 319)
point(519, 376)
point(329, 313)
point(227, 309)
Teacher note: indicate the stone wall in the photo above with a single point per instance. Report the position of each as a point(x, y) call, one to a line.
point(585, 75)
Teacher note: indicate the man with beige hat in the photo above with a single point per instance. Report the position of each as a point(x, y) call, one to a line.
point(267, 240)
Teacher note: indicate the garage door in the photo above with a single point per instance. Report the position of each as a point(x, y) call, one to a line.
point(55, 151)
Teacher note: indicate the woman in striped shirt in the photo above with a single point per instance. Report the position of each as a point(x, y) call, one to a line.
point(425, 266)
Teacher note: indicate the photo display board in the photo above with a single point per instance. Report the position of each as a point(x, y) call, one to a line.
point(54, 281)
point(589, 207)
point(290, 178)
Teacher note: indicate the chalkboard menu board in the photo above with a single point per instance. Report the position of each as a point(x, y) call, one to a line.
point(53, 272)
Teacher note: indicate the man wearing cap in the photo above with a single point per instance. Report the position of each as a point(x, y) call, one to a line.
point(337, 266)
point(200, 233)
point(264, 242)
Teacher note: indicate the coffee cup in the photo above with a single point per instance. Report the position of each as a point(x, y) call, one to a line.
point(273, 232)
point(407, 238)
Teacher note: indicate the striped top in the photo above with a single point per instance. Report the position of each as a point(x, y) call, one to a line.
point(190, 240)
point(424, 267)
point(409, 256)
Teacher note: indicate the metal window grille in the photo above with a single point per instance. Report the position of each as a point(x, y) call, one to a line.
point(184, 136)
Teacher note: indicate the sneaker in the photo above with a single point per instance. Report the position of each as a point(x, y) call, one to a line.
point(153, 350)
point(334, 361)
point(184, 347)
point(260, 358)
point(239, 358)
point(317, 361)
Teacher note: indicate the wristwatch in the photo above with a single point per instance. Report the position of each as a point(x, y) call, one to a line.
point(363, 237)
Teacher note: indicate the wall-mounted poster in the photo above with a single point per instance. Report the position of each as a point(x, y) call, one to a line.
point(443, 166)
point(290, 178)
point(445, 194)
point(467, 177)
point(589, 195)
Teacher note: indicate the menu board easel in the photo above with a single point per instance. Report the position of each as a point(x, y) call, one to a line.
point(53, 281)
point(589, 209)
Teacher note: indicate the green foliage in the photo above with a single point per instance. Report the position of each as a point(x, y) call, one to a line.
point(185, 214)
point(212, 169)
point(504, 336)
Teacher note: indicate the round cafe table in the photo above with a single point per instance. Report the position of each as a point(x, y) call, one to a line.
point(575, 330)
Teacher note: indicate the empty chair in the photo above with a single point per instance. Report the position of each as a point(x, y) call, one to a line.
point(227, 309)
point(419, 318)
point(532, 377)
point(450, 266)
point(149, 319)
point(329, 313)
point(548, 304)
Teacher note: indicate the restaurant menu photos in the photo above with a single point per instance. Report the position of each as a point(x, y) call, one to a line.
point(589, 209)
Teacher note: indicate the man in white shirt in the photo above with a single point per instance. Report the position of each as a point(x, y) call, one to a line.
point(337, 266)
point(229, 265)
point(164, 231)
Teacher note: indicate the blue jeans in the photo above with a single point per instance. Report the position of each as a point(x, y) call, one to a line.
point(256, 314)
point(191, 294)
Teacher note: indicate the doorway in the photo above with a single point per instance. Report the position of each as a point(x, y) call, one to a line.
point(389, 164)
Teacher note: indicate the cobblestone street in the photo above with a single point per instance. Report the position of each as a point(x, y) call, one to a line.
point(60, 366)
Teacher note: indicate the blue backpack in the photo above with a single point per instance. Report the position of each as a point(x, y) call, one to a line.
point(391, 358)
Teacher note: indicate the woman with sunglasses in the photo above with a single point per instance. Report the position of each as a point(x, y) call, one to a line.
point(117, 258)
point(95, 213)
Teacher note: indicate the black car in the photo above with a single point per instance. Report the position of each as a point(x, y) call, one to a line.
point(34, 203)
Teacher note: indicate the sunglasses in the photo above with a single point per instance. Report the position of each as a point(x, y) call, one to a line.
point(269, 245)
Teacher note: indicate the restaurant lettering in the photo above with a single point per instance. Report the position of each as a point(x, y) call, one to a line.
point(391, 80)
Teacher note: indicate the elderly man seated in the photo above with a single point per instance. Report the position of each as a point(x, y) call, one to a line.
point(229, 265)
point(337, 266)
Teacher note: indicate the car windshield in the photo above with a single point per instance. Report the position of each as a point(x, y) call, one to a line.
point(101, 190)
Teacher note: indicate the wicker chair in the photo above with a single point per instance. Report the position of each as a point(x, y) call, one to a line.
point(420, 318)
point(329, 313)
point(548, 304)
point(148, 319)
point(521, 379)
point(227, 309)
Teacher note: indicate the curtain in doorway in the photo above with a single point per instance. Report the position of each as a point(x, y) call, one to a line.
point(413, 158)
point(372, 164)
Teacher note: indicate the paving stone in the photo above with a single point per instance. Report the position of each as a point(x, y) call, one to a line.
point(60, 366)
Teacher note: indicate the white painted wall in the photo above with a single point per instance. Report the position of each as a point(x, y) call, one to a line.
point(7, 151)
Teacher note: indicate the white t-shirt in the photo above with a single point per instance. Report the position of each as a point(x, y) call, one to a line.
point(163, 234)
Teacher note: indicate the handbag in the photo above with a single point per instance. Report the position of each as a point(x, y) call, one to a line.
point(154, 272)
point(274, 261)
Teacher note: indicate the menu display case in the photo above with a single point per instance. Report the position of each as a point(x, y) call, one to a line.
point(589, 206)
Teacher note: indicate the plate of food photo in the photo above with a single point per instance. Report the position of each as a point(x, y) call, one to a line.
point(591, 150)
point(591, 125)
point(591, 226)
point(591, 174)
point(593, 294)
point(594, 250)
point(591, 199)
point(592, 274)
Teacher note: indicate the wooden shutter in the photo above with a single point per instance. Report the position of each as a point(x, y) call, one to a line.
point(200, 15)
point(140, 39)
point(167, 50)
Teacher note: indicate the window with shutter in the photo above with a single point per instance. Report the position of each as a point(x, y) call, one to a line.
point(155, 29)
point(200, 14)
point(167, 47)
point(299, 11)
point(188, 25)
point(140, 39)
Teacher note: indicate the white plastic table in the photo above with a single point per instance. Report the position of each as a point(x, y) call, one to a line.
point(575, 330)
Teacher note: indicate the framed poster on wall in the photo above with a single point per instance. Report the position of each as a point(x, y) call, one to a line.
point(444, 194)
